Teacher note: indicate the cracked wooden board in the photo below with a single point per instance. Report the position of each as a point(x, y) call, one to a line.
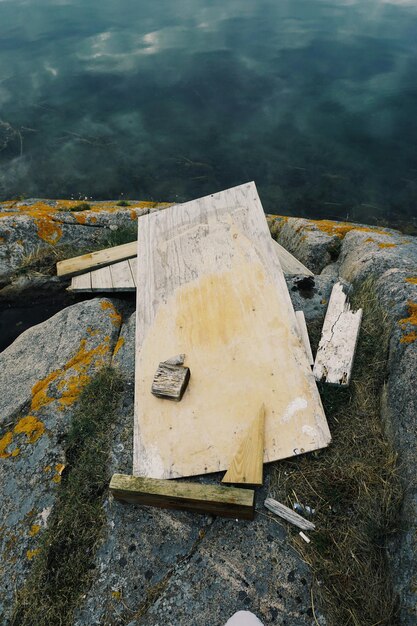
point(209, 285)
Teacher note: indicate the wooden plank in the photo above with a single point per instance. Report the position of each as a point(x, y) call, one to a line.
point(337, 347)
point(289, 264)
point(290, 516)
point(133, 264)
point(121, 276)
point(247, 465)
point(169, 494)
point(94, 260)
point(210, 285)
point(302, 327)
point(81, 283)
point(101, 280)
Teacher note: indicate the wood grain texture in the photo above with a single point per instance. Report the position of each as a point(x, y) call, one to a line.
point(337, 347)
point(94, 260)
point(207, 499)
point(121, 276)
point(170, 381)
point(290, 516)
point(289, 264)
point(302, 327)
point(210, 285)
point(101, 280)
point(247, 464)
point(81, 283)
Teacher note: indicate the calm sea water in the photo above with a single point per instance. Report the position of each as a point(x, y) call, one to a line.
point(315, 100)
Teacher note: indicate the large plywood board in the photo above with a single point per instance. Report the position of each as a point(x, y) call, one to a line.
point(210, 285)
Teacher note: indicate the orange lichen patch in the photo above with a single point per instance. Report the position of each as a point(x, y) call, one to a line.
point(80, 217)
point(340, 229)
point(115, 316)
point(117, 595)
point(412, 280)
point(411, 336)
point(93, 220)
point(5, 442)
point(2, 239)
point(387, 245)
point(369, 240)
point(120, 342)
point(16, 452)
point(31, 427)
point(59, 468)
point(34, 529)
point(47, 468)
point(32, 553)
point(133, 214)
point(48, 230)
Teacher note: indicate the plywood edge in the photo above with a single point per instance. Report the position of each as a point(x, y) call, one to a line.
point(95, 260)
point(247, 464)
point(207, 499)
point(302, 327)
point(289, 263)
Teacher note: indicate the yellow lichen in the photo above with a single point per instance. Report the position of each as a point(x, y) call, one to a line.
point(5, 442)
point(387, 245)
point(16, 452)
point(412, 280)
point(115, 316)
point(34, 529)
point(133, 214)
point(47, 468)
point(117, 595)
point(31, 427)
point(340, 229)
point(411, 336)
point(32, 553)
point(119, 344)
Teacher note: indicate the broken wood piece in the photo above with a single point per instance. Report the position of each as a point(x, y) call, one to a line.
point(169, 494)
point(289, 264)
point(247, 464)
point(302, 327)
point(290, 516)
point(304, 537)
point(95, 260)
point(337, 347)
point(171, 379)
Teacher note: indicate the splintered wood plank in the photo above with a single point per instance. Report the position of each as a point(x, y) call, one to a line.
point(302, 327)
point(133, 264)
point(289, 264)
point(94, 260)
point(81, 283)
point(337, 347)
point(290, 516)
point(101, 280)
point(121, 276)
point(247, 465)
point(168, 494)
point(210, 286)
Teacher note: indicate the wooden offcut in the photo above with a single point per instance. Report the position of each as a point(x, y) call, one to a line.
point(95, 260)
point(170, 381)
point(247, 464)
point(210, 285)
point(289, 264)
point(286, 513)
point(169, 494)
point(337, 347)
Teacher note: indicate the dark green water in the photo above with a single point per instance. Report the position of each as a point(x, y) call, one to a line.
point(160, 99)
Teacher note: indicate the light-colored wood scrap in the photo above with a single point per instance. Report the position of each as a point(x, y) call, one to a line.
point(94, 260)
point(121, 276)
point(302, 327)
point(133, 264)
point(210, 285)
point(101, 280)
point(170, 381)
point(208, 499)
point(247, 464)
point(81, 283)
point(289, 264)
point(337, 347)
point(290, 516)
point(304, 537)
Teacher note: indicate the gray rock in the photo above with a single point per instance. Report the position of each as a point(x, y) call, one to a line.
point(311, 294)
point(41, 376)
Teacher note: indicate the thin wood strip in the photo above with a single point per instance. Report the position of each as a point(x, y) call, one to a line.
point(207, 499)
point(289, 264)
point(290, 516)
point(121, 275)
point(337, 347)
point(95, 260)
point(101, 280)
point(133, 264)
point(302, 326)
point(81, 283)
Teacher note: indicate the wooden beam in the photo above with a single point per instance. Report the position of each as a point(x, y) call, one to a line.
point(247, 465)
point(289, 264)
point(94, 260)
point(290, 516)
point(302, 326)
point(169, 494)
point(337, 347)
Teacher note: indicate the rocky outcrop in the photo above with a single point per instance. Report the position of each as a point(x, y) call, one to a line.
point(28, 226)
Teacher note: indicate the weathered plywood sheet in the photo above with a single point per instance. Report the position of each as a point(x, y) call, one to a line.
point(209, 285)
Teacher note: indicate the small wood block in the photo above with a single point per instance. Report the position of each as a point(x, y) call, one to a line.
point(170, 494)
point(290, 516)
point(170, 381)
point(247, 464)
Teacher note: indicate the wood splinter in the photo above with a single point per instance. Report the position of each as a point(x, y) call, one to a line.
point(171, 379)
